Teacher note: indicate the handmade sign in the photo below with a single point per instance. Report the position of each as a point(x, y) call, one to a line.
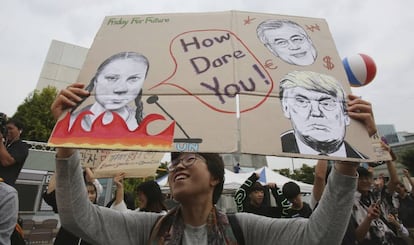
point(221, 82)
point(92, 158)
point(133, 163)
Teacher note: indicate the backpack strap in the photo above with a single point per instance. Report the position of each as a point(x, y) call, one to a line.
point(235, 226)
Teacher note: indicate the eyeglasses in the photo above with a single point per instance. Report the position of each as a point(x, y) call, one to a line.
point(327, 104)
point(188, 160)
point(283, 43)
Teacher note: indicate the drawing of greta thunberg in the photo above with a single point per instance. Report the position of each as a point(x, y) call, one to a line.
point(117, 82)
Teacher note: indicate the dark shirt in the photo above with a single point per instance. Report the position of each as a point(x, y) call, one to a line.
point(406, 211)
point(19, 151)
point(243, 202)
point(63, 237)
point(304, 212)
point(268, 211)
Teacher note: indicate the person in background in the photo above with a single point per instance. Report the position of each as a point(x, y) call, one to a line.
point(236, 168)
point(253, 197)
point(13, 152)
point(128, 198)
point(65, 237)
point(370, 213)
point(400, 229)
point(299, 208)
point(90, 178)
point(406, 205)
point(150, 197)
point(9, 207)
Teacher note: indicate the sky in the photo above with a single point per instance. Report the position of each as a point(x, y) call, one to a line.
point(378, 28)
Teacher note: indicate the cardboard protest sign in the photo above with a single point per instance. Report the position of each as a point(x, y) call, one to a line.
point(221, 82)
point(92, 158)
point(133, 163)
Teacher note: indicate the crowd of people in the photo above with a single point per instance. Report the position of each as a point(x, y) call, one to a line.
point(383, 209)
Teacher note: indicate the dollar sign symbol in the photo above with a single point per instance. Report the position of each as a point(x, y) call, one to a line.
point(328, 63)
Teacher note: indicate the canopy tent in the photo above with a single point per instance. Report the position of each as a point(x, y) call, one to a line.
point(266, 176)
point(233, 180)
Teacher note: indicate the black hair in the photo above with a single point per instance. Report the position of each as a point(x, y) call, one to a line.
point(129, 199)
point(215, 166)
point(15, 122)
point(363, 172)
point(155, 198)
point(291, 190)
point(256, 187)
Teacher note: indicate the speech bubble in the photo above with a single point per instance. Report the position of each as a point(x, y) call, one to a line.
point(217, 62)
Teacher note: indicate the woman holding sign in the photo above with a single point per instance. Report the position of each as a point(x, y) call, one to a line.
point(196, 182)
point(118, 81)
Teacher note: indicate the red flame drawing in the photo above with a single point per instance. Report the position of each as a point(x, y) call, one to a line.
point(114, 135)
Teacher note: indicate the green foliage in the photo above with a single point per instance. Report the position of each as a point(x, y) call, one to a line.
point(162, 170)
point(304, 174)
point(407, 159)
point(36, 116)
point(284, 172)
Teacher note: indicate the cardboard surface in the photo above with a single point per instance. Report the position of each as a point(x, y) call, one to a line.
point(212, 85)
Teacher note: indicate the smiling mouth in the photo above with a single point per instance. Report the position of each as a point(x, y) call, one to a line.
point(180, 177)
point(299, 55)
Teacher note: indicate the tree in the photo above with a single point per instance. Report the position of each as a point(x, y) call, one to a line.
point(304, 174)
point(407, 159)
point(36, 116)
point(162, 170)
point(284, 172)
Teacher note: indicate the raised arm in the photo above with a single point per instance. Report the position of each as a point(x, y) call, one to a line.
point(372, 214)
point(119, 203)
point(281, 201)
point(361, 110)
point(241, 193)
point(319, 181)
point(97, 225)
point(392, 170)
point(408, 176)
point(6, 159)
point(66, 99)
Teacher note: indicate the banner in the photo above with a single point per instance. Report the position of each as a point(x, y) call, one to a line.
point(226, 82)
point(133, 163)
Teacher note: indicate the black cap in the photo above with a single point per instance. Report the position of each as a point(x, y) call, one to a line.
point(290, 190)
point(363, 172)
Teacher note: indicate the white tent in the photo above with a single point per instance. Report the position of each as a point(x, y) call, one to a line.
point(266, 176)
point(233, 180)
